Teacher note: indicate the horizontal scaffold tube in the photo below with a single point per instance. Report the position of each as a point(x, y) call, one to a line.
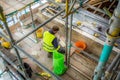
point(39, 26)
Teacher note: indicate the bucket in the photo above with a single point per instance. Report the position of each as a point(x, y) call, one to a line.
point(80, 44)
point(39, 33)
point(6, 44)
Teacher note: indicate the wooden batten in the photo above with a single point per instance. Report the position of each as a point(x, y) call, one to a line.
point(14, 27)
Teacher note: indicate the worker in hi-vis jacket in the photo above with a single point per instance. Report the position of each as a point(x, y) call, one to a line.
point(50, 41)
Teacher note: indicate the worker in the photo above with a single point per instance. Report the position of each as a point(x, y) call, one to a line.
point(50, 41)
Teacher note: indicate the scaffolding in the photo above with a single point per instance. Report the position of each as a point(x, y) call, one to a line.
point(17, 48)
point(68, 11)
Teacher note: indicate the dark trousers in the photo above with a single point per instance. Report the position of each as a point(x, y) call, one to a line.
point(61, 50)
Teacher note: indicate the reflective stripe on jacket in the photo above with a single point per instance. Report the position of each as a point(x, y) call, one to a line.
point(47, 42)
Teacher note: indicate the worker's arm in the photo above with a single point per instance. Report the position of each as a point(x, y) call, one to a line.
point(55, 43)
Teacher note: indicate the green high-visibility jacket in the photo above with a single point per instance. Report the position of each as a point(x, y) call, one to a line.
point(47, 42)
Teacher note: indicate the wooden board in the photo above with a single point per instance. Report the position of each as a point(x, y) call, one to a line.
point(10, 56)
point(83, 64)
point(19, 6)
point(92, 2)
point(29, 20)
point(13, 5)
point(4, 4)
point(67, 77)
point(11, 2)
point(75, 74)
point(9, 10)
point(27, 2)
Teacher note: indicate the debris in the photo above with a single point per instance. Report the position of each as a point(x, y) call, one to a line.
point(50, 11)
point(94, 24)
point(46, 74)
point(99, 28)
point(96, 34)
point(78, 23)
point(116, 45)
